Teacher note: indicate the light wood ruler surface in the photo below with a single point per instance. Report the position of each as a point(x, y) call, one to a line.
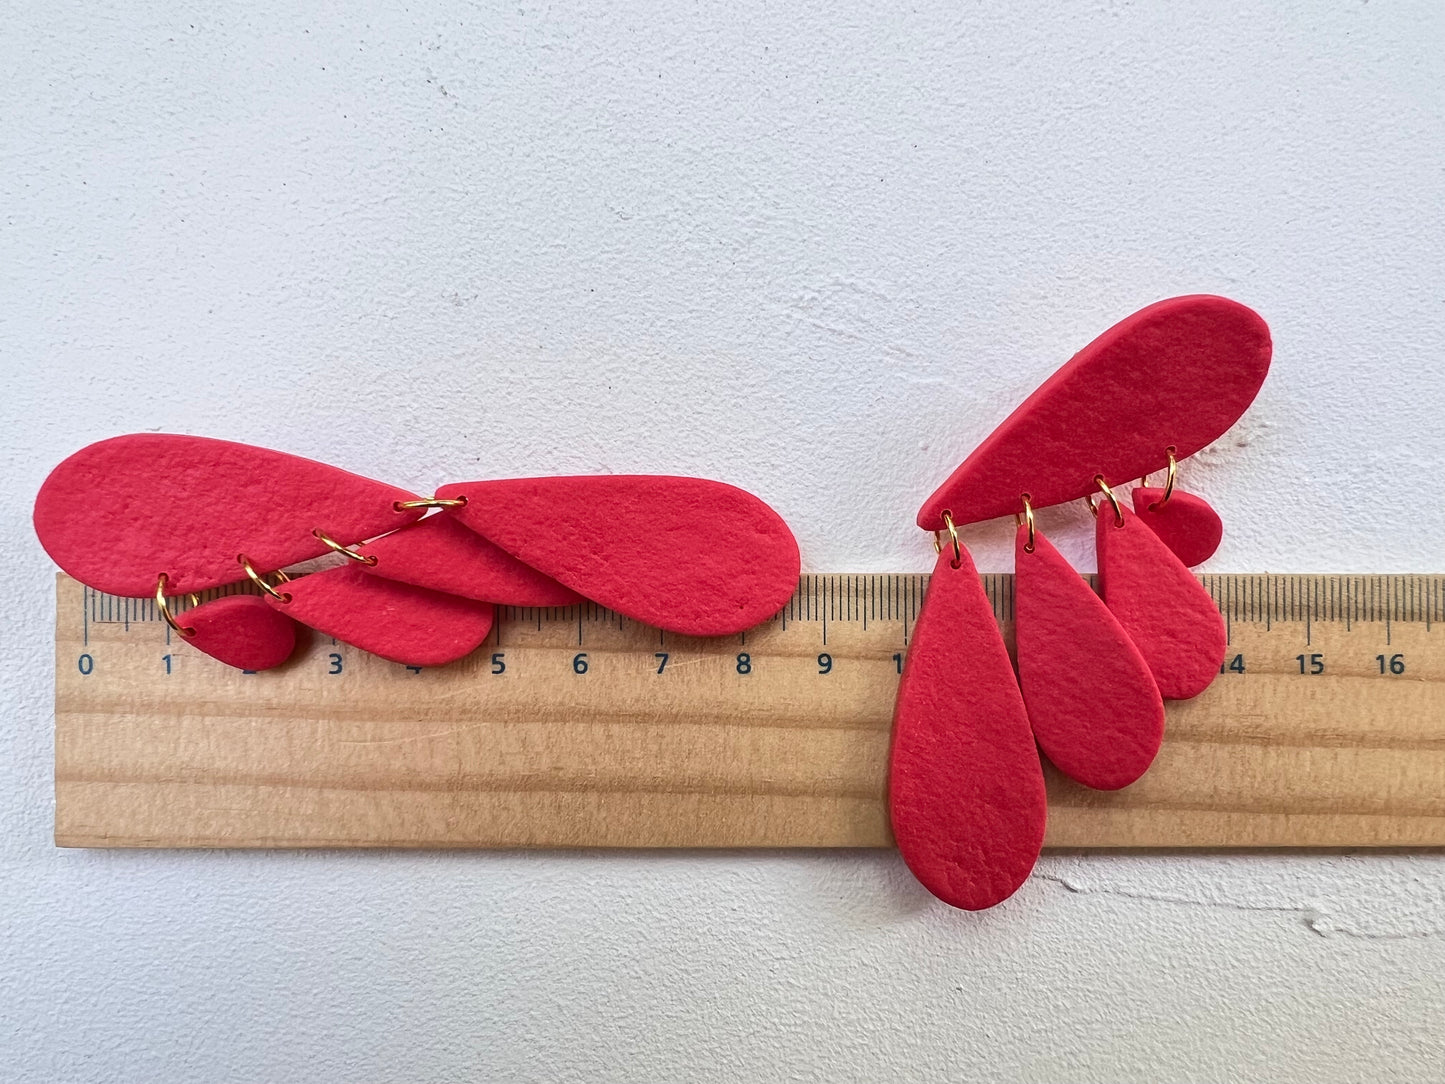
point(573, 727)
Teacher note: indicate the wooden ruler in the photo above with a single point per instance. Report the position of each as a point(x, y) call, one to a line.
point(574, 727)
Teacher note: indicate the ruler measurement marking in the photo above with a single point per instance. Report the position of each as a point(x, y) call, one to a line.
point(1260, 601)
point(843, 599)
point(1414, 598)
point(1227, 609)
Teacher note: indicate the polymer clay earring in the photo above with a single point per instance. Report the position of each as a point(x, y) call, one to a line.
point(165, 514)
point(396, 621)
point(1092, 703)
point(966, 792)
point(688, 555)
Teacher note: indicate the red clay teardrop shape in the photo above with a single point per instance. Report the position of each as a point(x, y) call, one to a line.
point(397, 621)
point(1092, 703)
point(441, 554)
point(684, 554)
point(117, 514)
point(240, 631)
point(1187, 524)
point(965, 787)
point(1168, 614)
point(1179, 372)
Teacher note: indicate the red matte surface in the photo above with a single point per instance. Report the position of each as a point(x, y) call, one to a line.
point(1092, 703)
point(685, 554)
point(117, 514)
point(1179, 372)
point(441, 554)
point(241, 631)
point(965, 787)
point(397, 621)
point(1188, 525)
point(1166, 611)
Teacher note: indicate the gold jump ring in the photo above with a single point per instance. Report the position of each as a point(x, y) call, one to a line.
point(430, 502)
point(1168, 480)
point(165, 609)
point(1104, 488)
point(1028, 517)
point(953, 537)
point(331, 543)
point(256, 578)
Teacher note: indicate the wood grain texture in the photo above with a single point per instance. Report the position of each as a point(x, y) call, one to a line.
point(702, 755)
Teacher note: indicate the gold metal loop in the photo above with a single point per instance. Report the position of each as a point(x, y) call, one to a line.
point(1168, 481)
point(1104, 488)
point(953, 537)
point(255, 577)
point(165, 609)
point(1028, 517)
point(430, 502)
point(331, 543)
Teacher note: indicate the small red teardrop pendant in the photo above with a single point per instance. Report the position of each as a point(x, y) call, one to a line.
point(965, 787)
point(397, 621)
point(1092, 703)
point(240, 631)
point(685, 554)
point(117, 514)
point(1168, 614)
point(1187, 524)
point(441, 554)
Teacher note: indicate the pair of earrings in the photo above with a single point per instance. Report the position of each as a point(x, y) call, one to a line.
point(966, 786)
point(165, 515)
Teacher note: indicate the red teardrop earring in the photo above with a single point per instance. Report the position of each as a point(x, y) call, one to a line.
point(688, 555)
point(239, 630)
point(1093, 705)
point(685, 554)
point(965, 789)
point(175, 512)
point(396, 621)
point(1092, 673)
point(410, 625)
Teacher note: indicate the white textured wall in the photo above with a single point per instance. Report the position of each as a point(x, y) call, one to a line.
point(817, 250)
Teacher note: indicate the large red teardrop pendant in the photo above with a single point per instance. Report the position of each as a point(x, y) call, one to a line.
point(965, 787)
point(1091, 701)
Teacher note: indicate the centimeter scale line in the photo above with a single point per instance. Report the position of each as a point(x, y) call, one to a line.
point(576, 727)
point(896, 597)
